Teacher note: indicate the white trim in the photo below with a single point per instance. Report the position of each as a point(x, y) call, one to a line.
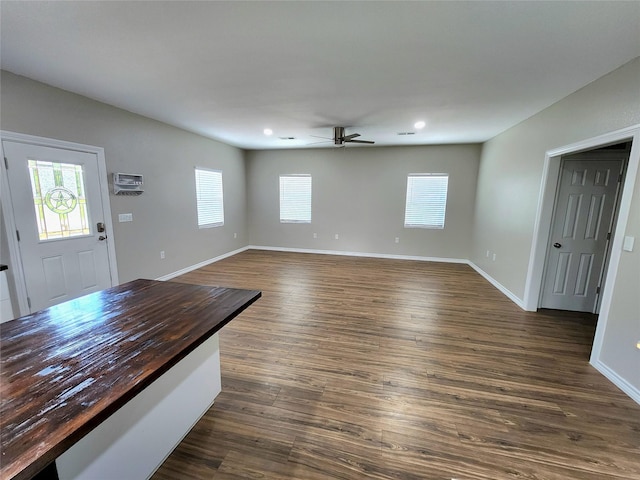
point(169, 276)
point(541, 232)
point(7, 208)
point(546, 199)
point(508, 293)
point(360, 254)
point(182, 271)
point(106, 205)
point(616, 247)
point(611, 375)
point(14, 248)
point(617, 380)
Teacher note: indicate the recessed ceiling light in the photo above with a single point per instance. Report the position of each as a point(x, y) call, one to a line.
point(406, 133)
point(419, 124)
point(287, 138)
point(268, 131)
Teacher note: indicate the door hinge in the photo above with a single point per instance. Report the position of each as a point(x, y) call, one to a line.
point(29, 302)
point(597, 290)
point(609, 236)
point(18, 235)
point(6, 163)
point(619, 177)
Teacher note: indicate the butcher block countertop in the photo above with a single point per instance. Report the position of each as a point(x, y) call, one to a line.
point(66, 369)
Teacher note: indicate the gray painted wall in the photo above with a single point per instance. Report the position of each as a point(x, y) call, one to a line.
point(508, 190)
point(359, 193)
point(164, 217)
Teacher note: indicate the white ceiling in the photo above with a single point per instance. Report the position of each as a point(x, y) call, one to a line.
point(227, 70)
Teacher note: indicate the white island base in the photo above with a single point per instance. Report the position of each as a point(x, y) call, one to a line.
point(133, 442)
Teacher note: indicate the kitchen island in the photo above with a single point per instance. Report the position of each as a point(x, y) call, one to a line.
point(130, 369)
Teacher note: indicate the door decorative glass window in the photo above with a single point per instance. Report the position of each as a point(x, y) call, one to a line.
point(59, 199)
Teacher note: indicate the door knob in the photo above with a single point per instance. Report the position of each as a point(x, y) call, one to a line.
point(557, 245)
point(102, 237)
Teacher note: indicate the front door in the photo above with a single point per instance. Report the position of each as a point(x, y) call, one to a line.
point(59, 218)
point(580, 234)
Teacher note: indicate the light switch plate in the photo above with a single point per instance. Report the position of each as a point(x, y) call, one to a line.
point(125, 217)
point(627, 244)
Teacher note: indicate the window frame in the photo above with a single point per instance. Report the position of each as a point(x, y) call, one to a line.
point(281, 198)
point(411, 201)
point(201, 204)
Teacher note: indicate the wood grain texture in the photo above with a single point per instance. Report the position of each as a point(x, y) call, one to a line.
point(353, 368)
point(65, 369)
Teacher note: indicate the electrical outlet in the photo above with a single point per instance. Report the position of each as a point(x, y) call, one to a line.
point(488, 253)
point(337, 237)
point(162, 254)
point(397, 239)
point(235, 235)
point(494, 257)
point(315, 235)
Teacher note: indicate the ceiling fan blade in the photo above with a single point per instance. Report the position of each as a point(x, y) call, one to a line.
point(316, 143)
point(347, 138)
point(360, 141)
point(316, 136)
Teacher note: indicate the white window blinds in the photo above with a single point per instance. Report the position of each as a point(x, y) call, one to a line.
point(209, 198)
point(295, 199)
point(426, 200)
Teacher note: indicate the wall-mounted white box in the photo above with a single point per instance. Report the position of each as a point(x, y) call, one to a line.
point(627, 244)
point(127, 183)
point(125, 217)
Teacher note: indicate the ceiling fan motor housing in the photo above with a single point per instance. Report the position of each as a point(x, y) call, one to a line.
point(338, 135)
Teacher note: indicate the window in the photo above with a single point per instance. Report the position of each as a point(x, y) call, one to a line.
point(295, 199)
point(59, 199)
point(426, 200)
point(209, 198)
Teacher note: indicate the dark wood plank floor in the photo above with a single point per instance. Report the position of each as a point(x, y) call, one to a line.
point(356, 368)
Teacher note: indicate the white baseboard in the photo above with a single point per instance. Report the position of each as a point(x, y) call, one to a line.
point(617, 380)
point(360, 254)
point(612, 376)
point(169, 276)
point(510, 295)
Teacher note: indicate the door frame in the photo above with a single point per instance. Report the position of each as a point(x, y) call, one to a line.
point(542, 226)
point(9, 219)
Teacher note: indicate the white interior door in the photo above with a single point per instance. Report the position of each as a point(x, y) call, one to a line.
point(57, 206)
point(580, 233)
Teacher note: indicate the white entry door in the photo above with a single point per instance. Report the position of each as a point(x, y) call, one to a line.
point(580, 233)
point(59, 217)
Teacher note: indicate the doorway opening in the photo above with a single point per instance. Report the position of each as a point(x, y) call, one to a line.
point(543, 222)
point(582, 227)
point(589, 185)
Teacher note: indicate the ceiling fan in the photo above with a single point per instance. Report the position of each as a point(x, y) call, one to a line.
point(340, 139)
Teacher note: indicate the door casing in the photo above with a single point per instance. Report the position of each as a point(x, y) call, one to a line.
point(542, 226)
point(7, 209)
